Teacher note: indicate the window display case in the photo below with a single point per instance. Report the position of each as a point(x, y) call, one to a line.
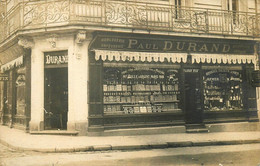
point(222, 90)
point(140, 90)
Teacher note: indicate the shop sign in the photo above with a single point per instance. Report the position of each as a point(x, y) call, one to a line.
point(56, 58)
point(191, 70)
point(173, 44)
point(4, 77)
point(256, 78)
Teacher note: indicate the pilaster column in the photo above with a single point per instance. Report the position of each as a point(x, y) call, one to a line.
point(37, 89)
point(78, 83)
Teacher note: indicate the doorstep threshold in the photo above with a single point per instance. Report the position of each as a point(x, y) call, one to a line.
point(54, 132)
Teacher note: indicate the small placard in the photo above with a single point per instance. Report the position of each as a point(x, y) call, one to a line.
point(4, 77)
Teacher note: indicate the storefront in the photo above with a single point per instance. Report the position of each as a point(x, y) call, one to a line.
point(144, 80)
point(15, 92)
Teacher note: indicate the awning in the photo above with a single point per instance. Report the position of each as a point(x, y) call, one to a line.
point(173, 57)
point(223, 58)
point(14, 63)
point(140, 56)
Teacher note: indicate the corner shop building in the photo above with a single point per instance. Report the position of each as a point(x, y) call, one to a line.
point(95, 82)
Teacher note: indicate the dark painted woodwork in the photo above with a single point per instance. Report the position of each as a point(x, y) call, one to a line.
point(95, 88)
point(27, 64)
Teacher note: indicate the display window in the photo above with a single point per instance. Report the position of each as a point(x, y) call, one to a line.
point(137, 90)
point(222, 90)
point(20, 94)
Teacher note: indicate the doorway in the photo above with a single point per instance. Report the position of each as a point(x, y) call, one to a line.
point(193, 108)
point(56, 98)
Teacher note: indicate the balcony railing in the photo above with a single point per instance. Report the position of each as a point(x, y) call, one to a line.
point(126, 14)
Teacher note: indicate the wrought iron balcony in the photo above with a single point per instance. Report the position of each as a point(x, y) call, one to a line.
point(126, 14)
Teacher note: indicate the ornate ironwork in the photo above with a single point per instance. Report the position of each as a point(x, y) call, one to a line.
point(129, 14)
point(125, 13)
point(46, 13)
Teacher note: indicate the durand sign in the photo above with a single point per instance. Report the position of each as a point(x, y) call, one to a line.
point(56, 58)
point(172, 44)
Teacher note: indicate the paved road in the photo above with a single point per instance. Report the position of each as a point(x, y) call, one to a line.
point(231, 155)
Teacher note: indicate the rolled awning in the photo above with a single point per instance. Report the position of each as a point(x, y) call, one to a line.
point(173, 57)
point(14, 63)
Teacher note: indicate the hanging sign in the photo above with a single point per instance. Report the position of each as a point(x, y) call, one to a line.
point(3, 77)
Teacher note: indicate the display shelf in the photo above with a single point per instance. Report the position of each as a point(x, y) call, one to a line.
point(142, 113)
point(133, 91)
point(119, 103)
point(230, 85)
point(173, 101)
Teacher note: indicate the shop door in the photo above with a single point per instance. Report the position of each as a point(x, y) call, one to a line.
point(56, 98)
point(193, 111)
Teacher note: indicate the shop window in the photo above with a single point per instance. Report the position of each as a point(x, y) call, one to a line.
point(140, 90)
point(20, 94)
point(222, 90)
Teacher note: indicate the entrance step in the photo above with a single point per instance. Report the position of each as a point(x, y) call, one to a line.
point(55, 132)
point(196, 128)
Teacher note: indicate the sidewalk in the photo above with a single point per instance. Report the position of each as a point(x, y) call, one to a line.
point(20, 140)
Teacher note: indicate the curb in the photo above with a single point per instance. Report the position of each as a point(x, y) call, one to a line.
point(134, 147)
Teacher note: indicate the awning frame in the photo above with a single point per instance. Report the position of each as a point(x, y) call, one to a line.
point(173, 57)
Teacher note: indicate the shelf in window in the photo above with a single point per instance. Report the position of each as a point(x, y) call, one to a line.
point(141, 113)
point(212, 99)
point(213, 89)
point(145, 102)
point(117, 94)
point(112, 103)
point(164, 101)
point(172, 110)
point(223, 110)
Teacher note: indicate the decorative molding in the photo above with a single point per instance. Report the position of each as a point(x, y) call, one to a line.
point(81, 36)
point(25, 42)
point(53, 40)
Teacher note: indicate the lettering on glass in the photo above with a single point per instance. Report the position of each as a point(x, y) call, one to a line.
point(56, 60)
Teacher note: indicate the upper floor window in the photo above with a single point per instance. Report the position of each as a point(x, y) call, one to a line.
point(178, 11)
point(233, 6)
point(178, 3)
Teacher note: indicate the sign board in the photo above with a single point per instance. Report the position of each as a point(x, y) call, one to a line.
point(56, 59)
point(256, 78)
point(172, 44)
point(4, 77)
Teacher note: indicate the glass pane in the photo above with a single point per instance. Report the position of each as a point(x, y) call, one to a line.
point(20, 95)
point(222, 90)
point(140, 90)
